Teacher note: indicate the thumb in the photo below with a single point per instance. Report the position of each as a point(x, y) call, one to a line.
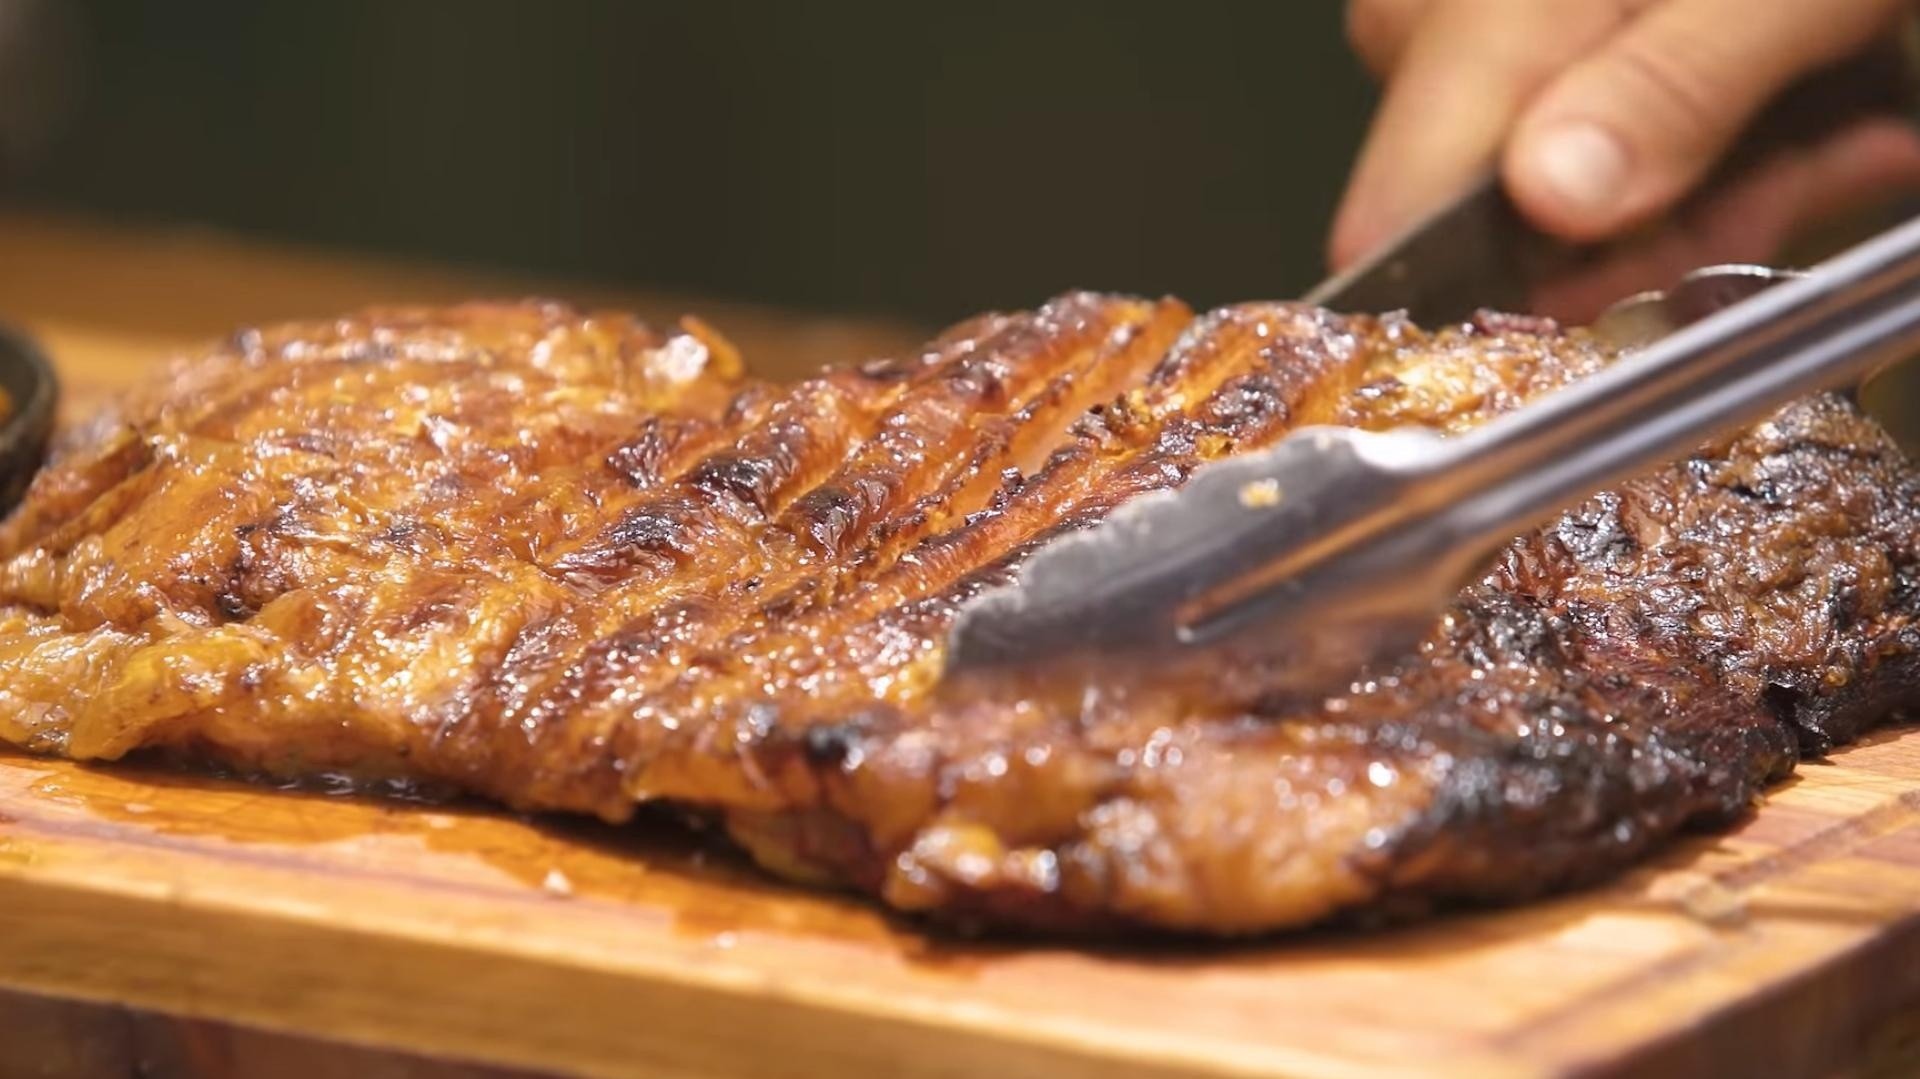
point(1621, 136)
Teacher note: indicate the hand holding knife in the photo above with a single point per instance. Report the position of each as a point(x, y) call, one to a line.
point(1368, 535)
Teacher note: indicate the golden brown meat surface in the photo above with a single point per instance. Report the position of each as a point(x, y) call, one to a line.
point(577, 564)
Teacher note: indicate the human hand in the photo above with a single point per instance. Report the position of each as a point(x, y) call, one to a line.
point(1604, 114)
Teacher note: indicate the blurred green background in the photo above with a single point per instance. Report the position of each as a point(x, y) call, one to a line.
point(912, 159)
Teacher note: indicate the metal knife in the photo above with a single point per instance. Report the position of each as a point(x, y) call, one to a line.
point(1475, 252)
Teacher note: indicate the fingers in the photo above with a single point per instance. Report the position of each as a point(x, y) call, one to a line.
point(1752, 218)
point(1864, 164)
point(1379, 30)
point(1460, 84)
point(1622, 135)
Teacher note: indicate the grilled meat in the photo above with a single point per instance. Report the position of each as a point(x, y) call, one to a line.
point(576, 564)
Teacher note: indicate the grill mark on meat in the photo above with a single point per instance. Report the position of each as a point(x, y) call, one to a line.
point(574, 563)
point(82, 496)
point(1290, 371)
point(645, 461)
point(924, 441)
point(1005, 448)
point(1026, 351)
point(801, 434)
point(764, 470)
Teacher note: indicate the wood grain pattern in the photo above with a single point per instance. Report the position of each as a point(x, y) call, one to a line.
point(1892, 1051)
point(49, 1038)
point(459, 934)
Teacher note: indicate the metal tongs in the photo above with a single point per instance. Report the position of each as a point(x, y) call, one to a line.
point(1337, 549)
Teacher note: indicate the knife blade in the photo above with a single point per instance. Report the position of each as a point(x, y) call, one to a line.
point(1476, 251)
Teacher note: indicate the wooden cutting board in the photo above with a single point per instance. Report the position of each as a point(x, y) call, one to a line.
point(460, 933)
point(1787, 946)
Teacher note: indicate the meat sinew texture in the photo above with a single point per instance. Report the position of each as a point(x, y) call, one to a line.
point(573, 563)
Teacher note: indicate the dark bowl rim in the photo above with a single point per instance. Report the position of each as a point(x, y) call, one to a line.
point(24, 432)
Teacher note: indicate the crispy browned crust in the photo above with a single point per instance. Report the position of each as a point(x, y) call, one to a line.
point(574, 563)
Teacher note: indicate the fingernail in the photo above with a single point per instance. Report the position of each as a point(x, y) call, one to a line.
point(1583, 165)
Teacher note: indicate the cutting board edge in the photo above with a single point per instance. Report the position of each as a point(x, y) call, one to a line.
point(1847, 993)
point(53, 949)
